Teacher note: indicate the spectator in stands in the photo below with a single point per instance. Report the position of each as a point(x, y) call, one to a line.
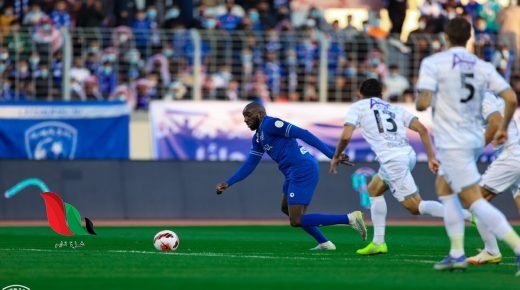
point(482, 33)
point(490, 10)
point(350, 31)
point(35, 14)
point(267, 18)
point(273, 71)
point(395, 84)
point(124, 91)
point(77, 93)
point(141, 27)
point(92, 92)
point(19, 44)
point(397, 13)
point(143, 94)
point(107, 78)
point(253, 14)
point(503, 60)
point(94, 10)
point(21, 72)
point(434, 13)
point(78, 71)
point(6, 93)
point(229, 7)
point(134, 64)
point(176, 91)
point(375, 62)
point(229, 21)
point(34, 61)
point(47, 38)
point(473, 9)
point(60, 17)
point(43, 83)
point(6, 18)
point(159, 65)
point(509, 22)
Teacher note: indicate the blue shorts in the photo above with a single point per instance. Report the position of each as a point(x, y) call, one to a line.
point(298, 189)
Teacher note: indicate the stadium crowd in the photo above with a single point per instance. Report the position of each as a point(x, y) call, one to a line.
point(142, 50)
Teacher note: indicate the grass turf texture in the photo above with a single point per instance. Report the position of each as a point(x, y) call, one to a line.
point(240, 257)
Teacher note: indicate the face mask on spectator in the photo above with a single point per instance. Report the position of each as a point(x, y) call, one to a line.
point(23, 69)
point(4, 56)
point(291, 60)
point(123, 38)
point(2, 68)
point(315, 13)
point(44, 73)
point(247, 57)
point(374, 62)
point(151, 13)
point(34, 61)
point(172, 13)
point(47, 27)
point(350, 71)
point(210, 23)
point(255, 17)
point(436, 45)
point(111, 57)
point(422, 25)
point(505, 53)
point(168, 52)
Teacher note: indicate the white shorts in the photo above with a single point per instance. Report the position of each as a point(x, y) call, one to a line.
point(397, 174)
point(503, 173)
point(459, 167)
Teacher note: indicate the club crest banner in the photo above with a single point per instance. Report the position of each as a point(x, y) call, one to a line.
point(64, 130)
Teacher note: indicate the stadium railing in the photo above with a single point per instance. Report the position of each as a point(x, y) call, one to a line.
point(307, 65)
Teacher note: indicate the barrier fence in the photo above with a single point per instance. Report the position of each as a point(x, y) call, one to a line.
point(139, 66)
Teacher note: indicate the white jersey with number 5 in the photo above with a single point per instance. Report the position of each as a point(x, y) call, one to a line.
point(458, 80)
point(383, 127)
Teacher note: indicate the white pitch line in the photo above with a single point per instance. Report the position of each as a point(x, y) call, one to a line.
point(394, 258)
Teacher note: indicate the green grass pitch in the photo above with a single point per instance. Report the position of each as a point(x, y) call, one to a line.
point(240, 257)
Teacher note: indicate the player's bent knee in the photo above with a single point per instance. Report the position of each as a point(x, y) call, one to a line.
point(295, 222)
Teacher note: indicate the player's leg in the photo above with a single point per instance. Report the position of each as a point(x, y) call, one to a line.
point(323, 242)
point(460, 172)
point(300, 195)
point(378, 211)
point(516, 196)
point(491, 218)
point(500, 176)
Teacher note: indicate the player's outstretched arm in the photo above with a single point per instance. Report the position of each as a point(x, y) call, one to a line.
point(509, 97)
point(424, 100)
point(418, 127)
point(343, 141)
point(247, 168)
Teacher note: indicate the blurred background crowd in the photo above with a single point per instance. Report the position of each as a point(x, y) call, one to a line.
point(141, 50)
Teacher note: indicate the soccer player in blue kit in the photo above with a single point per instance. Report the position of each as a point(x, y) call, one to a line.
point(278, 138)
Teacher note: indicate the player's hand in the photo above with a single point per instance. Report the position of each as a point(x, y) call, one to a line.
point(434, 165)
point(221, 187)
point(343, 159)
point(500, 137)
point(333, 164)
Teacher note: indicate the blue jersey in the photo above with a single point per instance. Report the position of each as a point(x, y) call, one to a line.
point(274, 137)
point(278, 139)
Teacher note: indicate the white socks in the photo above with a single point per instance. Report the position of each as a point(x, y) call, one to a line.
point(490, 241)
point(378, 215)
point(454, 223)
point(496, 223)
point(430, 207)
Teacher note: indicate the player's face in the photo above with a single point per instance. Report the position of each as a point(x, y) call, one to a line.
point(252, 119)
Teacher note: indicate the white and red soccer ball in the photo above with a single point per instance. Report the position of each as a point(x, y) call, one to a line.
point(166, 241)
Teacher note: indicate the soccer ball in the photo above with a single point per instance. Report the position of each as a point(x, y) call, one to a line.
point(166, 241)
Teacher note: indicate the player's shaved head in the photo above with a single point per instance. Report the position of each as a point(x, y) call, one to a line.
point(254, 107)
point(253, 113)
point(458, 31)
point(371, 88)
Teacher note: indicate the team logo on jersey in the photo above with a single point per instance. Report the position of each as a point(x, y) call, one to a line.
point(291, 194)
point(51, 140)
point(267, 147)
point(303, 150)
point(278, 124)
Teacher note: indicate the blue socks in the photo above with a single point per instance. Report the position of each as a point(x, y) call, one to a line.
point(316, 234)
point(318, 219)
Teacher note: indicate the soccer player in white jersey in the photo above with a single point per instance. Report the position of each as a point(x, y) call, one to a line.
point(452, 83)
point(501, 175)
point(384, 127)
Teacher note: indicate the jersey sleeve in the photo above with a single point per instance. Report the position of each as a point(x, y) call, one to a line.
point(254, 157)
point(427, 76)
point(352, 117)
point(489, 105)
point(496, 83)
point(407, 117)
